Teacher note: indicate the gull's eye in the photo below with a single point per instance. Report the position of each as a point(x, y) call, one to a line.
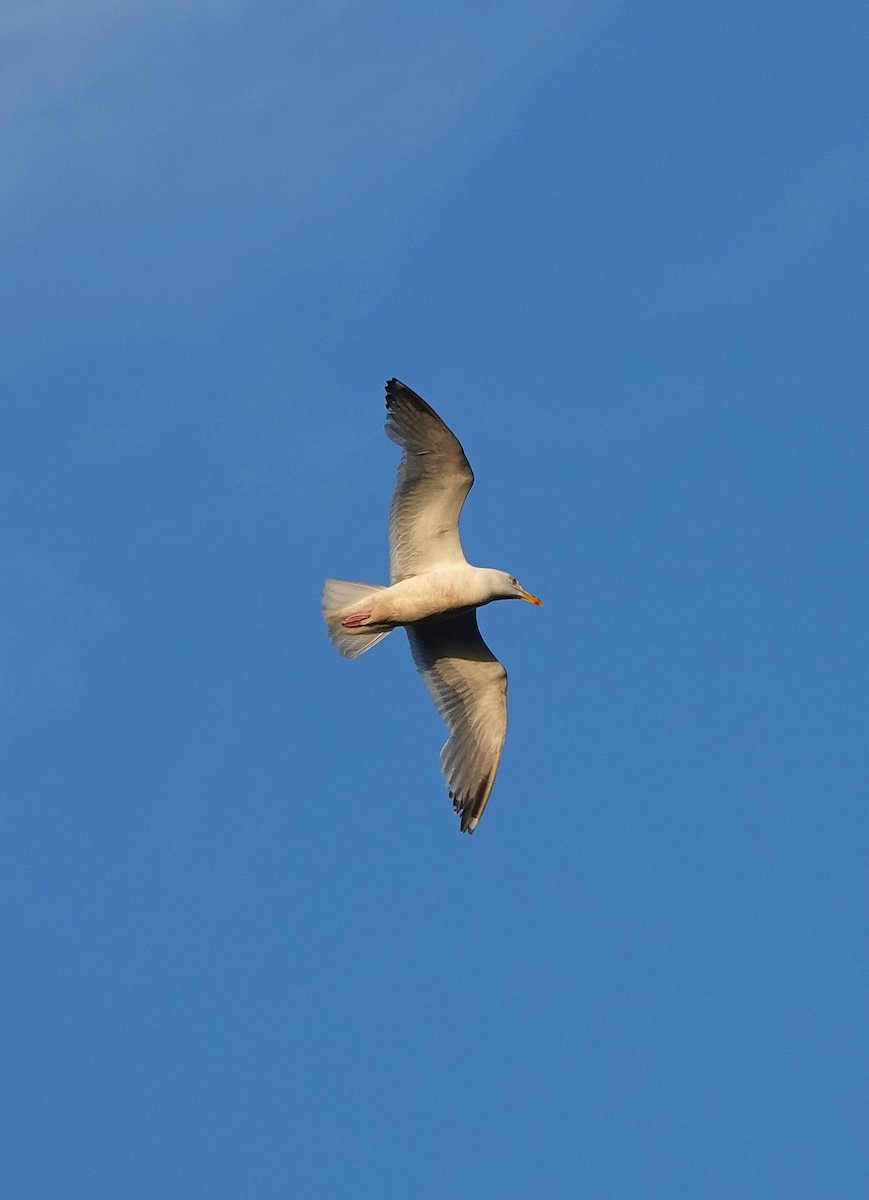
point(514, 581)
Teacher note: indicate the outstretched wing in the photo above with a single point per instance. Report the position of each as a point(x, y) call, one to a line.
point(434, 478)
point(469, 688)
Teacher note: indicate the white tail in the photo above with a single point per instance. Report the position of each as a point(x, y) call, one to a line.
point(340, 598)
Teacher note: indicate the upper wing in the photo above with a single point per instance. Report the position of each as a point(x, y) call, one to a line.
point(469, 688)
point(434, 478)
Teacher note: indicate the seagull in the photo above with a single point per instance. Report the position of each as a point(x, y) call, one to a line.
point(435, 594)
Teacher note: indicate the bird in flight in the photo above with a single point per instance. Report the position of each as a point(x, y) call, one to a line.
point(434, 594)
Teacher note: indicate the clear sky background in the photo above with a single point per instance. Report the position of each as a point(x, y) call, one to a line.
point(622, 249)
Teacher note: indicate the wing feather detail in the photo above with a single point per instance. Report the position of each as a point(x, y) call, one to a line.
point(434, 478)
point(469, 688)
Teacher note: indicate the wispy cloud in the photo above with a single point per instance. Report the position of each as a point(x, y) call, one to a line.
point(216, 106)
point(150, 150)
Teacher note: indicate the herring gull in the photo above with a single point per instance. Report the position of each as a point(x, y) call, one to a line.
point(434, 593)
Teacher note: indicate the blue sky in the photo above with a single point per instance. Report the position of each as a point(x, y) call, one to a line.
point(622, 249)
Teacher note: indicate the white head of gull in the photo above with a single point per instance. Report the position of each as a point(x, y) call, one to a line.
point(434, 594)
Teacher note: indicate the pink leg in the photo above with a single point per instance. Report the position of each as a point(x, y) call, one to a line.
point(355, 620)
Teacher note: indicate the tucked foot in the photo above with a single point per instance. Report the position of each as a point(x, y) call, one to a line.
point(355, 620)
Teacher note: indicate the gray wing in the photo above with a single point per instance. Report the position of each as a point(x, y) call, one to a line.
point(469, 688)
point(434, 477)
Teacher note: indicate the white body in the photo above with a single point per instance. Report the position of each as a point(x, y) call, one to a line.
point(438, 593)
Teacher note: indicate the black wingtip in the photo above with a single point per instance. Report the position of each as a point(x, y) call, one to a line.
point(396, 390)
point(393, 388)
